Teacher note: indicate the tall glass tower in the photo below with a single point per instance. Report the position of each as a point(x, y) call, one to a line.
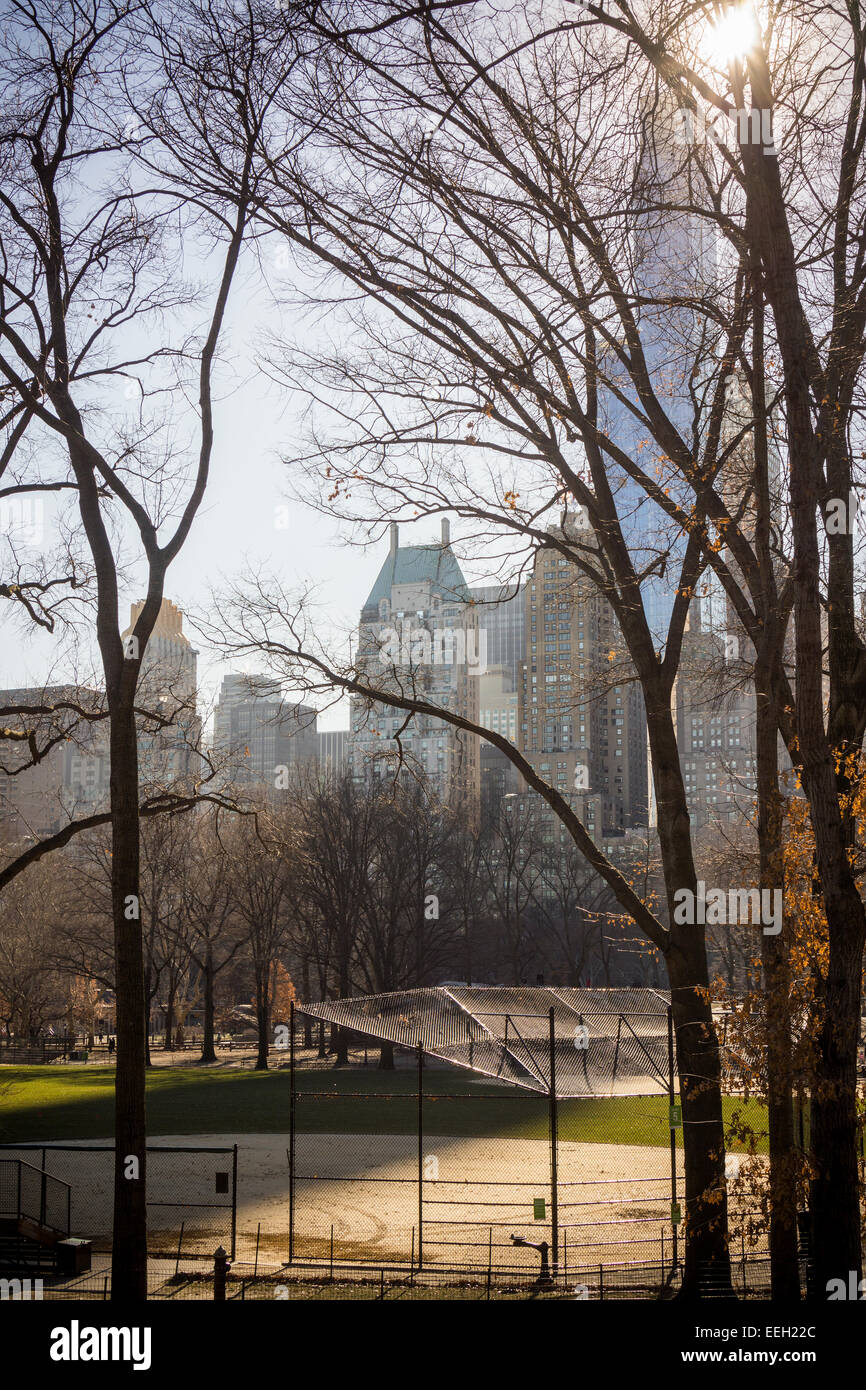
point(670, 266)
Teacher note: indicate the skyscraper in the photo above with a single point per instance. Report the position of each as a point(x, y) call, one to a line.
point(260, 739)
point(581, 715)
point(715, 723)
point(501, 616)
point(71, 780)
point(169, 664)
point(333, 751)
point(167, 686)
point(714, 694)
point(672, 262)
point(419, 634)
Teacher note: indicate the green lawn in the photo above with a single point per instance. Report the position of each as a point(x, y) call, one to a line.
point(44, 1103)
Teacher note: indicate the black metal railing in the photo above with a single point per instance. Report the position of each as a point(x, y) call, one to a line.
point(27, 1191)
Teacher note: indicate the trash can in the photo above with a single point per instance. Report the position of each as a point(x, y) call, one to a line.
point(73, 1255)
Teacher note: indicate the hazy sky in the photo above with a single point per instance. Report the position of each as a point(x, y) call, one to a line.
point(256, 422)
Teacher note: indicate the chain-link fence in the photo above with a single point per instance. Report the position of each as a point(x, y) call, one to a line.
point(434, 1174)
point(519, 1125)
point(423, 1166)
point(191, 1193)
point(345, 1281)
point(32, 1193)
point(426, 1165)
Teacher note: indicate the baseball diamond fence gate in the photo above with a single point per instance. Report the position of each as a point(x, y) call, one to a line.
point(431, 1173)
point(191, 1194)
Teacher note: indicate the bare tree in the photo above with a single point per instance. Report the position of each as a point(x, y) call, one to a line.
point(88, 250)
point(336, 829)
point(463, 871)
point(208, 908)
point(568, 900)
point(512, 861)
point(524, 321)
point(31, 987)
point(260, 878)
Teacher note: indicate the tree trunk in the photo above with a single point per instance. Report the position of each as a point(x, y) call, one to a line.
point(697, 1047)
point(208, 1051)
point(305, 985)
point(835, 1191)
point(169, 1020)
point(699, 1068)
point(836, 1247)
point(467, 948)
point(339, 1036)
point(386, 1057)
point(784, 1266)
point(262, 1022)
point(129, 1238)
point(148, 1005)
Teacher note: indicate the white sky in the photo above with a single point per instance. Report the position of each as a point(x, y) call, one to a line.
point(256, 423)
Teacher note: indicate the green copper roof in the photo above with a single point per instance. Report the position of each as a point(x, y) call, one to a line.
point(418, 564)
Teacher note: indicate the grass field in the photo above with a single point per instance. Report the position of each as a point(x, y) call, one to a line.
point(356, 1175)
point(61, 1103)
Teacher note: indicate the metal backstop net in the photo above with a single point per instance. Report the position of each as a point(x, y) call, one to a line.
point(455, 1169)
point(191, 1193)
point(573, 1042)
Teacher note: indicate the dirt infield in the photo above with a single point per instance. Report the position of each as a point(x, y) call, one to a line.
point(356, 1195)
point(366, 1188)
point(361, 1192)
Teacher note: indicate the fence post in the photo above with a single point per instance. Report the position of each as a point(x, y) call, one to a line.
point(291, 1131)
point(420, 1153)
point(220, 1270)
point(234, 1198)
point(671, 1095)
point(743, 1256)
point(554, 1151)
point(42, 1201)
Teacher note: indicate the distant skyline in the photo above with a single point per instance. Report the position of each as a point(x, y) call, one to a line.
point(236, 527)
point(256, 424)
